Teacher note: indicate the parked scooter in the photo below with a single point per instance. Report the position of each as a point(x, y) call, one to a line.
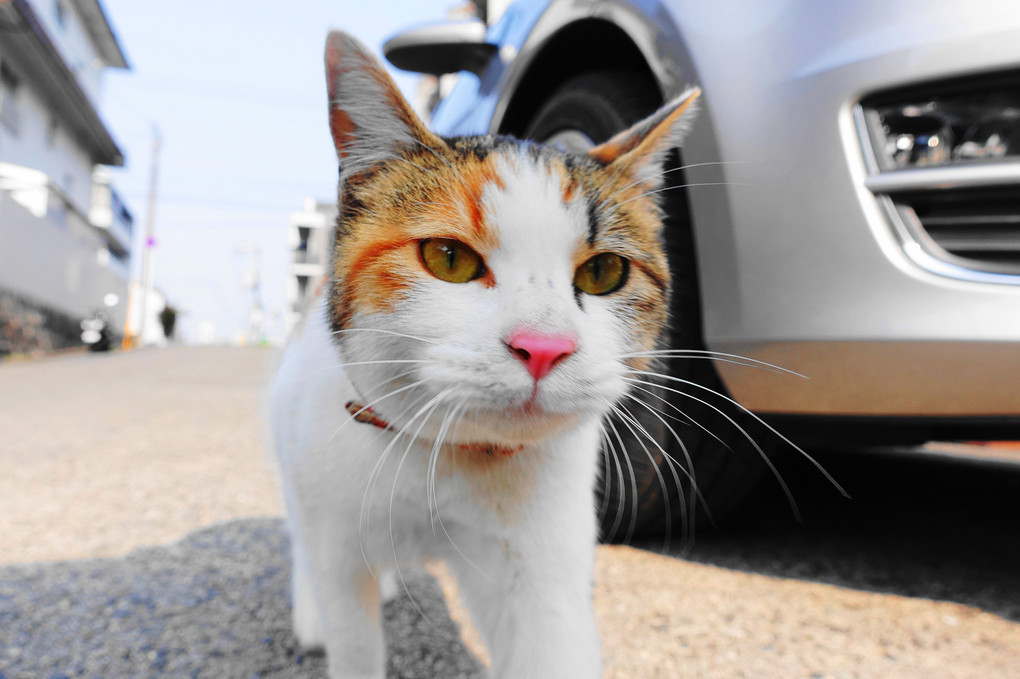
point(95, 332)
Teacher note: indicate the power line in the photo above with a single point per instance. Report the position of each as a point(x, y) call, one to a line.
point(226, 204)
point(270, 99)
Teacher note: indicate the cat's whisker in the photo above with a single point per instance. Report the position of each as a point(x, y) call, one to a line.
point(431, 407)
point(387, 362)
point(366, 407)
point(619, 475)
point(430, 470)
point(661, 416)
point(607, 450)
point(760, 421)
point(716, 359)
point(365, 518)
point(637, 428)
point(688, 513)
point(611, 456)
point(386, 332)
point(765, 458)
point(690, 420)
point(681, 417)
point(674, 188)
point(633, 481)
point(390, 382)
point(339, 366)
point(645, 180)
point(456, 547)
point(736, 359)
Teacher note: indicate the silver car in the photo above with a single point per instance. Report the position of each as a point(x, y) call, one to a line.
point(847, 207)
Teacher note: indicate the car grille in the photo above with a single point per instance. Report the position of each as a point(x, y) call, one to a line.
point(977, 229)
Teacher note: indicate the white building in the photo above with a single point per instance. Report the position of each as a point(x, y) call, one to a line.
point(65, 235)
point(310, 236)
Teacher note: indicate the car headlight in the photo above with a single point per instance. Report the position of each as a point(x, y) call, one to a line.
point(943, 162)
point(942, 129)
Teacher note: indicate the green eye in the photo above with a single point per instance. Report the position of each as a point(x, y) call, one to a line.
point(602, 274)
point(450, 260)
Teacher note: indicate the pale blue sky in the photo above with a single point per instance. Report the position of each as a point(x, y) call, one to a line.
point(237, 91)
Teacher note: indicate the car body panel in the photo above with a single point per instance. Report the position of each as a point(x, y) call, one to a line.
point(798, 263)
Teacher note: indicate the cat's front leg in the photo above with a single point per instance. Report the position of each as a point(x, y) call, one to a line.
point(532, 602)
point(347, 599)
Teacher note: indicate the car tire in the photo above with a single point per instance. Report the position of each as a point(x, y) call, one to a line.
point(642, 493)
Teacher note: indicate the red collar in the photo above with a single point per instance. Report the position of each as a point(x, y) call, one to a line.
point(366, 415)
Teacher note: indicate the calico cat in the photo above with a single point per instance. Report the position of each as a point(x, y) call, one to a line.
point(445, 399)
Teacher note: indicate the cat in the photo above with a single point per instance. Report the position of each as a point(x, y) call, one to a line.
point(444, 399)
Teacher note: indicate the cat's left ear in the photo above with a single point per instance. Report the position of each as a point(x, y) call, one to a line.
point(642, 148)
point(368, 117)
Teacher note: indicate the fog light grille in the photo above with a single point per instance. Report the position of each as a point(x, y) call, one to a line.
point(980, 228)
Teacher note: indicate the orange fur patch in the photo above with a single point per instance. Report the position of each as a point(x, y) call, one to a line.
point(406, 202)
point(367, 588)
point(473, 182)
point(569, 183)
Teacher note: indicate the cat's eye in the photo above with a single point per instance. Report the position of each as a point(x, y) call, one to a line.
point(602, 274)
point(450, 260)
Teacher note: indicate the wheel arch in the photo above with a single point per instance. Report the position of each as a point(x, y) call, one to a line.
point(603, 45)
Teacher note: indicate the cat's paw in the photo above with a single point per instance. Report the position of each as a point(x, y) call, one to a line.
point(308, 631)
point(307, 621)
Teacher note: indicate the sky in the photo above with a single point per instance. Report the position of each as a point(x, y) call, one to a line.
point(237, 93)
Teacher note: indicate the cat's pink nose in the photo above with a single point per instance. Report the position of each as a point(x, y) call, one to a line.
point(540, 353)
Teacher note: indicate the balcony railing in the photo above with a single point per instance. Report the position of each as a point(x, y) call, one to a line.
point(37, 193)
point(307, 257)
point(109, 212)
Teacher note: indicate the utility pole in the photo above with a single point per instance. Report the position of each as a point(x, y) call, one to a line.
point(150, 236)
point(252, 280)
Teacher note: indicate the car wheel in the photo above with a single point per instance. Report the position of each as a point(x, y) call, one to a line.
point(643, 492)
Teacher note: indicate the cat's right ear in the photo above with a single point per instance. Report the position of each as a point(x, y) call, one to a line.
point(368, 117)
point(641, 150)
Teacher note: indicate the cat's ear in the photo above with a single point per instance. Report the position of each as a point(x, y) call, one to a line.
point(642, 148)
point(368, 118)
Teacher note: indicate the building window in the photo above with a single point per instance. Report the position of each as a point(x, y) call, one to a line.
point(9, 114)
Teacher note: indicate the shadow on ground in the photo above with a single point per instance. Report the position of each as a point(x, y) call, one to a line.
point(192, 609)
point(937, 528)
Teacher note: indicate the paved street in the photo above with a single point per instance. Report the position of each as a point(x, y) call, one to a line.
point(917, 577)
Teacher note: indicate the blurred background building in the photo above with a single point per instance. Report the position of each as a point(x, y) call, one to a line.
point(65, 234)
point(310, 237)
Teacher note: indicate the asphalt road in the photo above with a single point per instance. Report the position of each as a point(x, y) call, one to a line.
point(108, 461)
